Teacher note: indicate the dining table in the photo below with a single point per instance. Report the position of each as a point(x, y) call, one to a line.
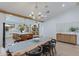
point(20, 48)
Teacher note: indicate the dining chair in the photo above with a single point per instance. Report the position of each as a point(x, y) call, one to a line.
point(36, 52)
point(52, 45)
point(8, 53)
point(46, 49)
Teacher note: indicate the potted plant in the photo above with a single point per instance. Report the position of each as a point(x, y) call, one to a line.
point(21, 27)
point(72, 29)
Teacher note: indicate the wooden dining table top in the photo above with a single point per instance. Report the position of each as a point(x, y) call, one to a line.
point(26, 46)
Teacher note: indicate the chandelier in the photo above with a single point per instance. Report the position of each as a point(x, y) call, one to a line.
point(39, 15)
point(36, 15)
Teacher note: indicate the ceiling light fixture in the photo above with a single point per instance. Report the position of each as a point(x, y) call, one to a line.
point(63, 5)
point(35, 15)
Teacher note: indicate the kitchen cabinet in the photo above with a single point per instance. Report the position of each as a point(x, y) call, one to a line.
point(68, 38)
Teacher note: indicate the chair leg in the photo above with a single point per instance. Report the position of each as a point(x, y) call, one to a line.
point(52, 51)
point(55, 50)
point(46, 54)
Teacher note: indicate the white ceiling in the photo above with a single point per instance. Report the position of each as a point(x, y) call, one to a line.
point(25, 8)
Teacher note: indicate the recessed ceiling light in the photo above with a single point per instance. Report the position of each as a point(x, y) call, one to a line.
point(39, 13)
point(32, 12)
point(63, 5)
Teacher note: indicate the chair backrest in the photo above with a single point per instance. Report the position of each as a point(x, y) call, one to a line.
point(8, 53)
point(52, 42)
point(45, 48)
